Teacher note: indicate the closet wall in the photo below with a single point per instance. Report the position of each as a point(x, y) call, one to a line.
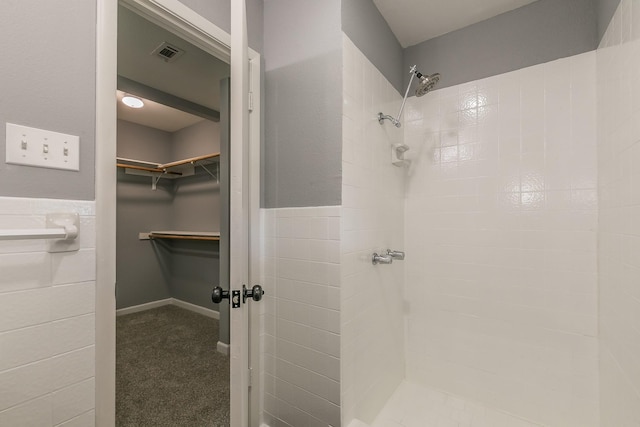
point(141, 276)
point(149, 271)
point(196, 207)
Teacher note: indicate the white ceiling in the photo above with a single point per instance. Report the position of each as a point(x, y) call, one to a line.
point(414, 21)
point(195, 76)
point(156, 115)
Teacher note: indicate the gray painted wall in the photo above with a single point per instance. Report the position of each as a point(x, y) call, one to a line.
point(142, 267)
point(606, 10)
point(152, 270)
point(368, 30)
point(196, 207)
point(139, 142)
point(195, 270)
point(47, 87)
point(197, 139)
point(303, 107)
point(196, 202)
point(539, 32)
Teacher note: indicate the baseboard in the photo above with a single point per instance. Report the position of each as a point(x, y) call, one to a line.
point(223, 348)
point(196, 308)
point(169, 301)
point(144, 307)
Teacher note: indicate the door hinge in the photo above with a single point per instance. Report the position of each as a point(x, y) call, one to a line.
point(250, 376)
point(250, 101)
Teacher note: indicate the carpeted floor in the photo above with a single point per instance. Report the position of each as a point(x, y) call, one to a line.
point(168, 372)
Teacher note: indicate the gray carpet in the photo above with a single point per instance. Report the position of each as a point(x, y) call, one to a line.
point(168, 372)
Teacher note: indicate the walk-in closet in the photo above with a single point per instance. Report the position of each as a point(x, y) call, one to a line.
point(172, 215)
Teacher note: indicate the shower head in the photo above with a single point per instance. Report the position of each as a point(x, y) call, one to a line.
point(426, 83)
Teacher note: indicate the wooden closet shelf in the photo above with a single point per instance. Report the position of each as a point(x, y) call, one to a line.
point(189, 160)
point(160, 167)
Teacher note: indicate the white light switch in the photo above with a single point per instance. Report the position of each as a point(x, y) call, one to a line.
point(42, 148)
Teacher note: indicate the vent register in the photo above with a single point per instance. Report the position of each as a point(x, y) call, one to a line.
point(168, 52)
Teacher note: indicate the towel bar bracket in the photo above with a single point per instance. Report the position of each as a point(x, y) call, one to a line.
point(62, 232)
point(70, 222)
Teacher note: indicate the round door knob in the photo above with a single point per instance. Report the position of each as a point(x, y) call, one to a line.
point(256, 292)
point(218, 294)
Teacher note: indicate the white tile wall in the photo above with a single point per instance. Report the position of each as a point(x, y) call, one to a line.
point(373, 221)
point(301, 337)
point(47, 320)
point(619, 219)
point(500, 230)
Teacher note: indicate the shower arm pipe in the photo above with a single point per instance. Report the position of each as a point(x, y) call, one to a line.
point(396, 121)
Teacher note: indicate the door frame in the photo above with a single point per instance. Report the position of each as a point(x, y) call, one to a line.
point(191, 26)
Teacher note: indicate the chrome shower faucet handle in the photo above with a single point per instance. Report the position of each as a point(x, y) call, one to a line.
point(399, 255)
point(381, 259)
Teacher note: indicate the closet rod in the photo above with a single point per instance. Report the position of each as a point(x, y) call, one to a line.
point(182, 237)
point(146, 169)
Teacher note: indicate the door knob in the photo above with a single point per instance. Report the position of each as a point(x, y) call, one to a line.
point(218, 294)
point(255, 293)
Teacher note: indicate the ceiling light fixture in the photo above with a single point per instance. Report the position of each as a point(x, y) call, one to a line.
point(132, 101)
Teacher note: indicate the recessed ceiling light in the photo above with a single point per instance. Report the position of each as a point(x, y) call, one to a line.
point(132, 101)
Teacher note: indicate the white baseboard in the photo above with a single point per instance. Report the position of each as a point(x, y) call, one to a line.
point(144, 307)
point(223, 348)
point(196, 308)
point(170, 301)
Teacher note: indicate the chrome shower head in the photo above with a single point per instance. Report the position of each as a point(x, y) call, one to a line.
point(426, 83)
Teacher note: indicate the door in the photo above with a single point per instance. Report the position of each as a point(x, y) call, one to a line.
point(243, 181)
point(239, 245)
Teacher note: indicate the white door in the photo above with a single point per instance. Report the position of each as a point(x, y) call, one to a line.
point(239, 218)
point(244, 221)
point(244, 185)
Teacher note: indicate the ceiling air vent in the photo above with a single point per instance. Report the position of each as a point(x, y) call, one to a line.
point(168, 52)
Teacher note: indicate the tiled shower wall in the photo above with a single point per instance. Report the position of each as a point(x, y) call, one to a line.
point(47, 321)
point(372, 221)
point(619, 219)
point(500, 230)
point(301, 338)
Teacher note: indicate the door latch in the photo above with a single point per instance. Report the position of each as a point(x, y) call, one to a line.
point(218, 294)
point(235, 299)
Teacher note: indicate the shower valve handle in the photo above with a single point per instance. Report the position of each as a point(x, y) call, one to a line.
point(381, 259)
point(399, 255)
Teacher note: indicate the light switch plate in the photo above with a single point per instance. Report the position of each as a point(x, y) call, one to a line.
point(42, 148)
